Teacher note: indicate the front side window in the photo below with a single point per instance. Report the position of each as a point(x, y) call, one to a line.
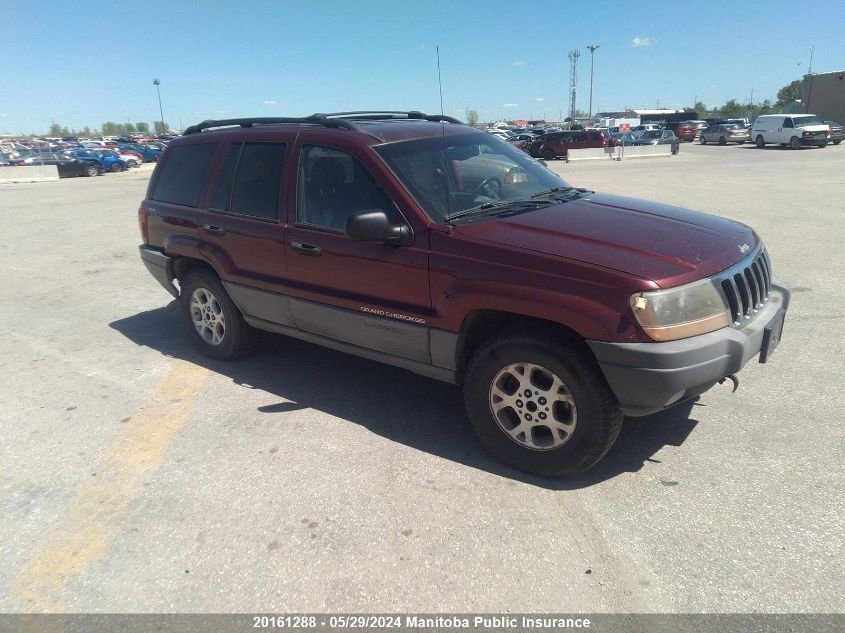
point(333, 185)
point(788, 123)
point(183, 173)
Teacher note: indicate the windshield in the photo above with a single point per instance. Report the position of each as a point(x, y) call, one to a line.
point(477, 169)
point(802, 121)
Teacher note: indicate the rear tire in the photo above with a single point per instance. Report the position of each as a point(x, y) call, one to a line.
point(760, 142)
point(722, 140)
point(702, 140)
point(216, 325)
point(837, 142)
point(548, 155)
point(555, 417)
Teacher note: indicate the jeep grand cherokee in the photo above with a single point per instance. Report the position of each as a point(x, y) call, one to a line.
point(423, 243)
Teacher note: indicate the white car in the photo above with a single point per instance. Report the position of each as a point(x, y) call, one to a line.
point(130, 159)
point(794, 130)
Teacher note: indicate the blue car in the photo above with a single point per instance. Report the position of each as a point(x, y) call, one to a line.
point(107, 158)
point(149, 153)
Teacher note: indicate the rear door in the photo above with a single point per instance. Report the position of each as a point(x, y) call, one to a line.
point(241, 225)
point(365, 293)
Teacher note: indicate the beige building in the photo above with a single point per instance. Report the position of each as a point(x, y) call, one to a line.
point(823, 94)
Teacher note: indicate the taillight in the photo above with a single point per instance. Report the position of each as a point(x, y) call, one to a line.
point(143, 214)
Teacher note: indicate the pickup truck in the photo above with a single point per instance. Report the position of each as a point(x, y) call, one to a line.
point(417, 241)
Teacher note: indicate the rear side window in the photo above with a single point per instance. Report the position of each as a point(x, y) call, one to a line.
point(250, 179)
point(183, 173)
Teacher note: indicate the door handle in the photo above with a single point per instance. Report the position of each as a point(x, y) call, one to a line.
point(212, 229)
point(306, 249)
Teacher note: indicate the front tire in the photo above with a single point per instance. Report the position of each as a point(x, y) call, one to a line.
point(539, 404)
point(92, 170)
point(794, 143)
point(702, 140)
point(723, 140)
point(216, 325)
point(548, 155)
point(116, 168)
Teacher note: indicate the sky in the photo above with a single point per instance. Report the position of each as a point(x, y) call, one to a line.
point(81, 64)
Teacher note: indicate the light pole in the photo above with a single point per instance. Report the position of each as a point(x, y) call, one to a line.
point(809, 79)
point(156, 83)
point(592, 48)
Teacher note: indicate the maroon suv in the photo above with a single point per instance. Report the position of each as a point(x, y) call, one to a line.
point(558, 144)
point(417, 241)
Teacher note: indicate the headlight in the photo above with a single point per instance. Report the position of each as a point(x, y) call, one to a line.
point(675, 313)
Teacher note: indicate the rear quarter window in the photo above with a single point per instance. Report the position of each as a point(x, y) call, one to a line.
point(183, 173)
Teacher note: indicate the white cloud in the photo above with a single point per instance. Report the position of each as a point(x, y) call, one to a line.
point(269, 102)
point(518, 62)
point(421, 47)
point(221, 111)
point(509, 105)
point(639, 42)
point(540, 99)
point(3, 114)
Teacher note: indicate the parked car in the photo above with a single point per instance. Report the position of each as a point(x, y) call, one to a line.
point(658, 137)
point(132, 159)
point(108, 159)
point(149, 154)
point(837, 133)
point(794, 130)
point(690, 130)
point(558, 309)
point(558, 144)
point(725, 133)
point(67, 166)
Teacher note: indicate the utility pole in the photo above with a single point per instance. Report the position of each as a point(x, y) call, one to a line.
point(592, 48)
point(156, 83)
point(573, 83)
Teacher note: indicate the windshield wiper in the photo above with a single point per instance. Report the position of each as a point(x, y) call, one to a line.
point(559, 190)
point(487, 206)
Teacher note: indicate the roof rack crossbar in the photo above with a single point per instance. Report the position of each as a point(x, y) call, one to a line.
point(335, 120)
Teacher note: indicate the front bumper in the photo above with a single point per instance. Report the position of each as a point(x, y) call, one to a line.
point(648, 377)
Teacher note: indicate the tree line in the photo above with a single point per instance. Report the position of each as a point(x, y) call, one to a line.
point(109, 128)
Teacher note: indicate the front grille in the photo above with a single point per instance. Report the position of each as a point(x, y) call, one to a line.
point(747, 288)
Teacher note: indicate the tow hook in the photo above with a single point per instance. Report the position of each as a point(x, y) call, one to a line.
point(733, 379)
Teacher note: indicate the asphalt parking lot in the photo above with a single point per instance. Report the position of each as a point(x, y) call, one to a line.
point(137, 476)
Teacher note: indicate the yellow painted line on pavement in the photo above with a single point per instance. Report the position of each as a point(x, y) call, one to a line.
point(98, 507)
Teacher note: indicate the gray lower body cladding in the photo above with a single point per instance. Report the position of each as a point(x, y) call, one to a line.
point(648, 377)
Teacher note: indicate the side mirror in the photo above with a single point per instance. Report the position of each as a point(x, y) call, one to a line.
point(373, 226)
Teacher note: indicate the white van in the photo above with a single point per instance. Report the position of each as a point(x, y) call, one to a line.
point(794, 130)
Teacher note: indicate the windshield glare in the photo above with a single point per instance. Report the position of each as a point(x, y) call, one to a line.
point(801, 121)
point(476, 169)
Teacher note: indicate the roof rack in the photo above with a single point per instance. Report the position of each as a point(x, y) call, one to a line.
point(335, 120)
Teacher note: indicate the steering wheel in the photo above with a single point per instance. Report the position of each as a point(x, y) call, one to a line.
point(490, 187)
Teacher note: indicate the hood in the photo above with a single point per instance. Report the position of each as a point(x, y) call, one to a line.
point(665, 244)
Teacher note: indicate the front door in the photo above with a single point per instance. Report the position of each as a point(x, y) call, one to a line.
point(366, 293)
